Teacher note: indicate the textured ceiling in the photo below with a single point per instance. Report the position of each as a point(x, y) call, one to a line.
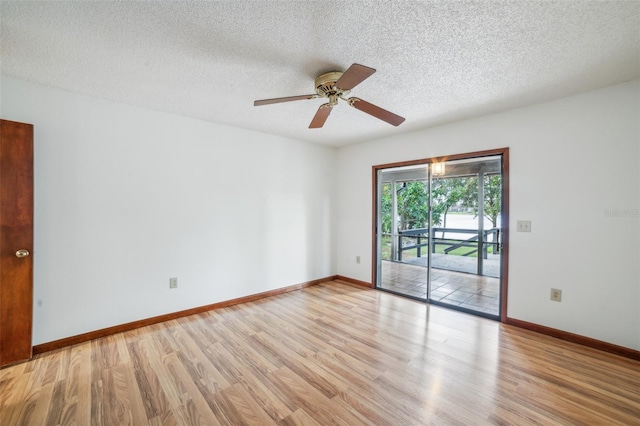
point(436, 61)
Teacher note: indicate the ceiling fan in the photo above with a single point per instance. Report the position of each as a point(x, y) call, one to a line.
point(336, 85)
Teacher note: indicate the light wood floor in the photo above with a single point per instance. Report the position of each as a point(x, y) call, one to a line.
point(328, 354)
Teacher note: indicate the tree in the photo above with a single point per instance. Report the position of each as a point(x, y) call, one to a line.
point(447, 193)
point(386, 207)
point(413, 197)
point(413, 209)
point(492, 196)
point(413, 206)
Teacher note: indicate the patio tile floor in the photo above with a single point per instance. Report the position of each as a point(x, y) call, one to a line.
point(478, 293)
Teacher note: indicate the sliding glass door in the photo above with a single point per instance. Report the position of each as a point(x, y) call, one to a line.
point(403, 224)
point(439, 235)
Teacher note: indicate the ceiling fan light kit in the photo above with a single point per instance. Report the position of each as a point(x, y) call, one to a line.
point(336, 85)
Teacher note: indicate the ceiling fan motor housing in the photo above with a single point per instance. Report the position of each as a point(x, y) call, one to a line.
point(326, 84)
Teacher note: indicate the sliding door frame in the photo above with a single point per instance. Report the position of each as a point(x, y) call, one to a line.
point(504, 264)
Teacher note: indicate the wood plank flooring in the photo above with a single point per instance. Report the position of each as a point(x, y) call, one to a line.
point(328, 354)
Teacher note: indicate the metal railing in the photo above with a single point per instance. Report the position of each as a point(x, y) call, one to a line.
point(420, 238)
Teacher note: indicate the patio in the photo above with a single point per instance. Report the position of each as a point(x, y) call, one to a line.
point(469, 265)
point(466, 290)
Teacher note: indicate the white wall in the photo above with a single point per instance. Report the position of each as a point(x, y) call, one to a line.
point(127, 198)
point(572, 160)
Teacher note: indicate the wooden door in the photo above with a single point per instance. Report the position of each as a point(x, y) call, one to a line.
point(16, 241)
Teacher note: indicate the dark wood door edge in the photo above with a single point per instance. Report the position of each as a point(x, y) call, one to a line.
point(16, 240)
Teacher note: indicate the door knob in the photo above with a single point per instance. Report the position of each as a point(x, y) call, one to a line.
point(22, 253)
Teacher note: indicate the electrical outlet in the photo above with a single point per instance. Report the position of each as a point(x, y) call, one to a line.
point(524, 226)
point(173, 282)
point(556, 295)
point(357, 259)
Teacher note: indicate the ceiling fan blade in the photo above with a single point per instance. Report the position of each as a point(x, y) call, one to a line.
point(376, 111)
point(286, 99)
point(321, 116)
point(353, 76)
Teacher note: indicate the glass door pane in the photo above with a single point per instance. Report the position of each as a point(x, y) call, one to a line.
point(403, 238)
point(465, 259)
